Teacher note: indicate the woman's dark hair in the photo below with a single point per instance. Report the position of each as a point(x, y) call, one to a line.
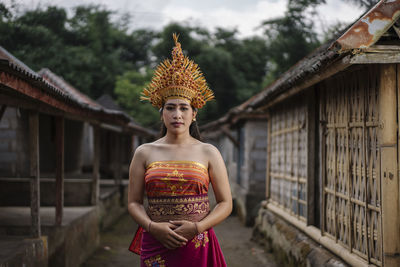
point(193, 129)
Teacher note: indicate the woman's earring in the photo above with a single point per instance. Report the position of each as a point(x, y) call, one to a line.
point(194, 119)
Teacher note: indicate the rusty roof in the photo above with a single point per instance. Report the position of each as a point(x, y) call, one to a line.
point(370, 27)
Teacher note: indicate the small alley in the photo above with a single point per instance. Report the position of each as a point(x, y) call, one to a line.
point(234, 238)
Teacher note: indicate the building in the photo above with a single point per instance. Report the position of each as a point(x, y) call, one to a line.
point(332, 158)
point(52, 145)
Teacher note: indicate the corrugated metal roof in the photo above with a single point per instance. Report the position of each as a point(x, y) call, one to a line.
point(370, 27)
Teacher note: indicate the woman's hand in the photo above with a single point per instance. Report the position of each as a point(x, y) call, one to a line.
point(164, 232)
point(185, 228)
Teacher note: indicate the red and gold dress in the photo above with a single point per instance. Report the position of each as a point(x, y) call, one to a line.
point(178, 190)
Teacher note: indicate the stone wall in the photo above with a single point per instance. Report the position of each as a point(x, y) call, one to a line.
point(14, 143)
point(290, 246)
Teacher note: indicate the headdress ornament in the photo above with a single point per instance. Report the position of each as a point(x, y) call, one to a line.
point(177, 78)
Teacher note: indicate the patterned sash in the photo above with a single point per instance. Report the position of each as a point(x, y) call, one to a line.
point(192, 208)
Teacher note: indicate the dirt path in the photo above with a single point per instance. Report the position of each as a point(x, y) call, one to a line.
point(234, 239)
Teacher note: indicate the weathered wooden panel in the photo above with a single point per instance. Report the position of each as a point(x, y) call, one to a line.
point(288, 157)
point(351, 178)
point(389, 165)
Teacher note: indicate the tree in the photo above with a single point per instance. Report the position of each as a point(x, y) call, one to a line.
point(87, 49)
point(127, 89)
point(366, 4)
point(292, 36)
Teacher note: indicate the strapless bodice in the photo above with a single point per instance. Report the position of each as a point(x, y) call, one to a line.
point(176, 178)
point(177, 190)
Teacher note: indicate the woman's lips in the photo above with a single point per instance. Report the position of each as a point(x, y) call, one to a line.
point(177, 124)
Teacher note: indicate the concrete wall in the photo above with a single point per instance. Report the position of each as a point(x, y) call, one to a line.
point(250, 191)
point(68, 245)
point(16, 192)
point(87, 146)
point(14, 143)
point(72, 244)
point(23, 252)
point(73, 146)
point(73, 139)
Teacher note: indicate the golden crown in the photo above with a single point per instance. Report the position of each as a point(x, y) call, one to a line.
point(179, 78)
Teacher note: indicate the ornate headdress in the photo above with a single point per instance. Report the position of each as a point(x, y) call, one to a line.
point(179, 78)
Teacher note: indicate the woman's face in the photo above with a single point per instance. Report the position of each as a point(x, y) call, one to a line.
point(177, 115)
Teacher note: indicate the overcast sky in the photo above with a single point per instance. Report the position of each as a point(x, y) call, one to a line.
point(245, 15)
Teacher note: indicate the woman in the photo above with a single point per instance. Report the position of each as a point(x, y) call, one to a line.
point(175, 171)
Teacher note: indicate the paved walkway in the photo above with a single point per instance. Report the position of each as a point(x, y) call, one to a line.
point(234, 239)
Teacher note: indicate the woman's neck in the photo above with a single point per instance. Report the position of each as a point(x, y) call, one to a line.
point(178, 139)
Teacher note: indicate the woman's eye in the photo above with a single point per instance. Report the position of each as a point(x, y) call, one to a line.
point(170, 108)
point(184, 109)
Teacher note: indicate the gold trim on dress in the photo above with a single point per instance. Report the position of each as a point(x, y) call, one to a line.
point(177, 199)
point(176, 162)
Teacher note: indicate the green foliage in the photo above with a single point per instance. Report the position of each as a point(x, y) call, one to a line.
point(88, 49)
point(98, 55)
point(5, 12)
point(292, 36)
point(127, 89)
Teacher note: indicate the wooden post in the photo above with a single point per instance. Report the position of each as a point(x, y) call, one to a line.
point(311, 157)
point(59, 169)
point(96, 165)
point(389, 166)
point(34, 173)
point(268, 166)
point(117, 158)
point(322, 148)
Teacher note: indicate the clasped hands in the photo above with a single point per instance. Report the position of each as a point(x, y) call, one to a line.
point(173, 234)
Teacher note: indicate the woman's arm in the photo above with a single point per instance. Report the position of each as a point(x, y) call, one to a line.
point(163, 232)
point(222, 191)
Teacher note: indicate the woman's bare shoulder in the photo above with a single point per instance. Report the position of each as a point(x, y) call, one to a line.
point(143, 149)
point(210, 150)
